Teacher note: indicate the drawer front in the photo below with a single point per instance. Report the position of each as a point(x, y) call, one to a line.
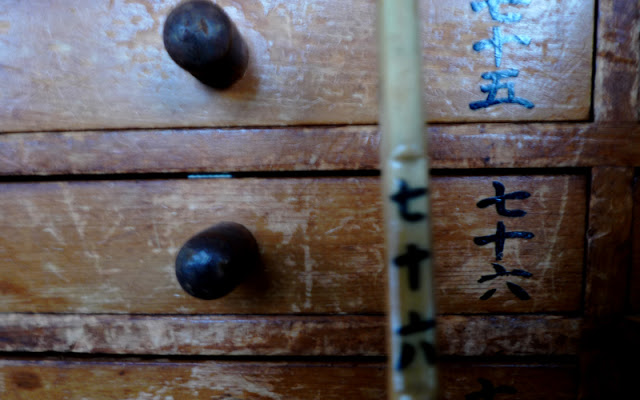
point(110, 246)
point(75, 380)
point(102, 64)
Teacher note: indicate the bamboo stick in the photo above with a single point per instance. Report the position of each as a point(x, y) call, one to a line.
point(413, 374)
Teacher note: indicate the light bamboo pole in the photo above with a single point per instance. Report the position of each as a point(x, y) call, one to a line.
point(405, 175)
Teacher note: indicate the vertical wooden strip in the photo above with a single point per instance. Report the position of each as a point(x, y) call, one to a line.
point(608, 261)
point(617, 80)
point(405, 176)
point(608, 241)
point(634, 286)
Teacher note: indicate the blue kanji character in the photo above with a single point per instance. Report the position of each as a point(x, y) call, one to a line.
point(494, 9)
point(498, 40)
point(493, 88)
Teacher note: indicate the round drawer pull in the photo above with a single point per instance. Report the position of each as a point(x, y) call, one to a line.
point(201, 38)
point(213, 262)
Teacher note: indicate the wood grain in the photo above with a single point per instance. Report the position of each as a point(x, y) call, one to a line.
point(348, 335)
point(534, 145)
point(555, 215)
point(161, 379)
point(312, 149)
point(109, 246)
point(96, 65)
point(138, 380)
point(608, 241)
point(617, 77)
point(499, 335)
point(550, 381)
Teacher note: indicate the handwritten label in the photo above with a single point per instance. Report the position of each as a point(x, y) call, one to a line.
point(412, 257)
point(497, 41)
point(408, 353)
point(500, 237)
point(402, 198)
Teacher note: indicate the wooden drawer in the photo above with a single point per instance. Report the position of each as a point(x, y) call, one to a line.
point(77, 379)
point(97, 65)
point(109, 246)
point(105, 249)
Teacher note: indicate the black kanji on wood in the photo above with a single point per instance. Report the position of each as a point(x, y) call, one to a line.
point(408, 352)
point(412, 259)
point(500, 237)
point(500, 200)
point(402, 197)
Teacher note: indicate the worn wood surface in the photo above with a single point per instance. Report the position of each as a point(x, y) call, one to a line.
point(109, 246)
point(549, 381)
point(163, 379)
point(348, 335)
point(617, 77)
point(102, 64)
point(608, 241)
point(555, 215)
point(317, 148)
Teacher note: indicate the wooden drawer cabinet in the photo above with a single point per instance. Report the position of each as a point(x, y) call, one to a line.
point(103, 135)
point(110, 246)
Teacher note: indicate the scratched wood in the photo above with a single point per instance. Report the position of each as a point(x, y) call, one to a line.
point(140, 380)
point(535, 381)
point(555, 215)
point(280, 335)
point(317, 148)
point(134, 379)
point(109, 246)
point(102, 64)
point(617, 77)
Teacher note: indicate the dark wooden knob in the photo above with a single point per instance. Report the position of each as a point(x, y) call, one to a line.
point(200, 37)
point(213, 262)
